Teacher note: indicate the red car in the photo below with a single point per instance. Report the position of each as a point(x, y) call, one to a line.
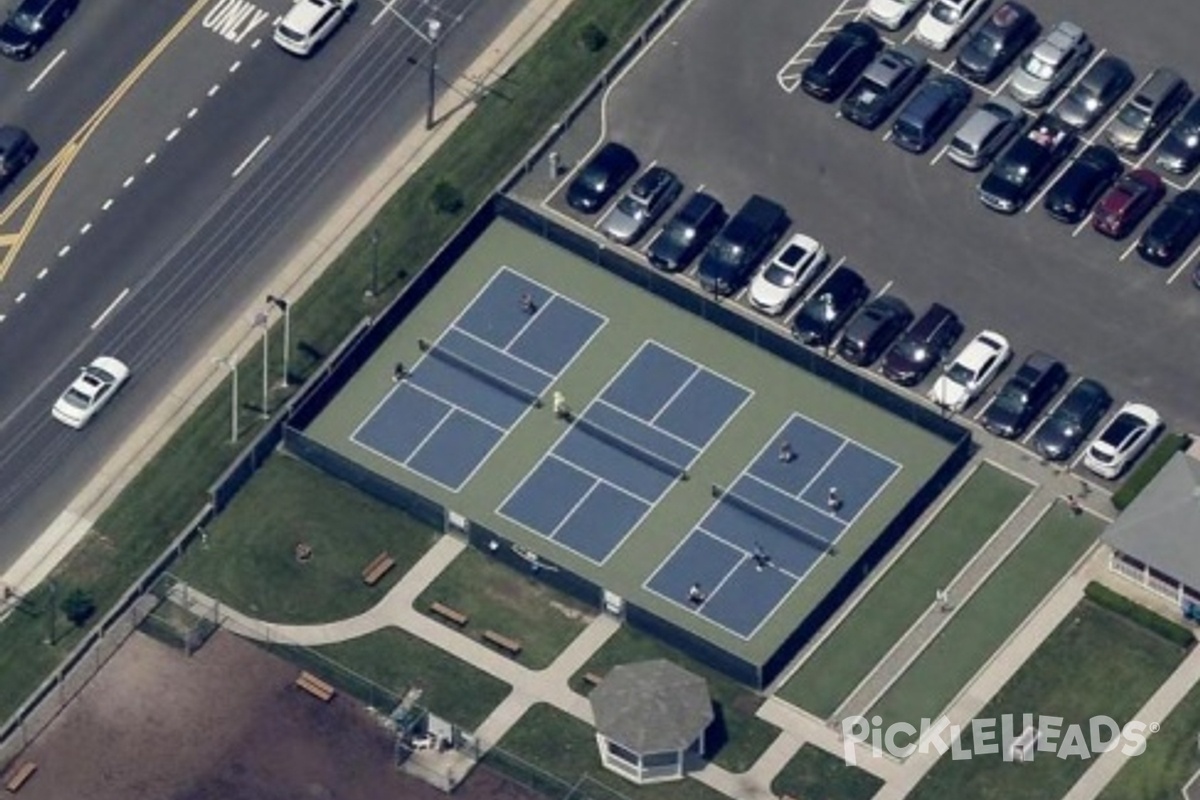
point(1127, 203)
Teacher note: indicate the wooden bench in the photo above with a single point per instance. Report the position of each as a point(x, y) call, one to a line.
point(510, 646)
point(592, 679)
point(449, 614)
point(379, 566)
point(315, 686)
point(18, 777)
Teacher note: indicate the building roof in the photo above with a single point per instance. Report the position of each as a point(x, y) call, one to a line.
point(1161, 527)
point(652, 706)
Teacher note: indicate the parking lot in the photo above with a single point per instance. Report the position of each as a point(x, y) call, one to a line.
point(712, 100)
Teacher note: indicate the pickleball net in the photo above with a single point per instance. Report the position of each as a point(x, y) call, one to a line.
point(769, 517)
point(630, 448)
point(499, 382)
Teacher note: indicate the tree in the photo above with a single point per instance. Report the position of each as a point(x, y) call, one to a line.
point(78, 606)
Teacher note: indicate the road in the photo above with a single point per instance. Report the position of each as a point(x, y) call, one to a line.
point(173, 179)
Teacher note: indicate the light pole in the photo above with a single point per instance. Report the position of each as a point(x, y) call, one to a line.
point(286, 308)
point(51, 611)
point(231, 365)
point(374, 290)
point(432, 29)
point(261, 320)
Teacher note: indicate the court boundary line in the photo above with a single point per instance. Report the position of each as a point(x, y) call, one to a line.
point(675, 394)
point(823, 426)
point(534, 281)
point(745, 552)
point(695, 610)
point(628, 414)
point(504, 352)
point(772, 487)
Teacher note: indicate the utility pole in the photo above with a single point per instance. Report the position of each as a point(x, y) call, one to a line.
point(261, 320)
point(231, 365)
point(432, 29)
point(286, 308)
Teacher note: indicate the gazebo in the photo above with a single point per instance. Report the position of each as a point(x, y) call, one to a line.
point(650, 716)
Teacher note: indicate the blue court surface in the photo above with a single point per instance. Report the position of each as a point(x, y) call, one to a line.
point(471, 386)
point(617, 459)
point(764, 533)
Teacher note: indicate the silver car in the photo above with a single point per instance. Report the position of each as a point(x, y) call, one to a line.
point(986, 132)
point(1051, 64)
point(651, 195)
point(1149, 111)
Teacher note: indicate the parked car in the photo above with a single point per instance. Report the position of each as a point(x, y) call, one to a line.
point(892, 14)
point(986, 132)
point(1122, 440)
point(308, 23)
point(1144, 116)
point(1026, 165)
point(741, 246)
point(1070, 422)
point(930, 112)
point(883, 86)
point(601, 178)
point(873, 329)
point(788, 274)
point(1090, 175)
point(827, 309)
point(688, 233)
point(1127, 203)
point(650, 196)
point(946, 20)
point(17, 149)
point(1024, 395)
point(1172, 231)
point(1180, 148)
point(841, 61)
point(971, 371)
point(923, 347)
point(1051, 63)
point(1095, 93)
point(998, 42)
point(90, 392)
point(32, 24)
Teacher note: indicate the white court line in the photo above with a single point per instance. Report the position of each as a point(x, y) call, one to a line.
point(111, 307)
point(505, 353)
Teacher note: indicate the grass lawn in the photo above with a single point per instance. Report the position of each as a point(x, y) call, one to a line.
point(399, 661)
point(154, 508)
point(736, 739)
point(962, 526)
point(812, 772)
point(1095, 663)
point(990, 615)
point(249, 562)
point(499, 598)
point(1170, 760)
point(565, 748)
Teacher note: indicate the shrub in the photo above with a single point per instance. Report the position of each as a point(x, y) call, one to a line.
point(447, 199)
point(593, 38)
point(78, 606)
point(1139, 615)
point(1154, 461)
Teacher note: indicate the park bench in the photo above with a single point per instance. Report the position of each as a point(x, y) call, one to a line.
point(379, 566)
point(18, 777)
point(315, 686)
point(449, 614)
point(510, 646)
point(592, 679)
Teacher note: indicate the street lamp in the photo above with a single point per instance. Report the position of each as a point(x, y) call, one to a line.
point(286, 308)
point(261, 320)
point(231, 365)
point(374, 290)
point(432, 29)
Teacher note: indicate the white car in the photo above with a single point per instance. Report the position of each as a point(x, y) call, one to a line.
point(892, 14)
point(971, 371)
point(787, 274)
point(945, 20)
point(309, 22)
point(1051, 63)
point(1122, 440)
point(90, 392)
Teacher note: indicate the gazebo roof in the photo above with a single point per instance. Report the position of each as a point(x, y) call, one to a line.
point(652, 706)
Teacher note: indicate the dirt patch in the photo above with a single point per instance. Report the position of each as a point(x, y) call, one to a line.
point(225, 724)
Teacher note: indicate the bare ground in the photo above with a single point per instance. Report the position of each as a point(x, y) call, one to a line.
point(225, 724)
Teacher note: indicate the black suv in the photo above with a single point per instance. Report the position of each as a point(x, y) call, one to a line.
point(923, 347)
point(1008, 31)
point(880, 321)
point(17, 149)
point(739, 248)
point(1172, 231)
point(1061, 433)
point(883, 86)
point(31, 24)
point(1081, 184)
point(682, 239)
point(841, 61)
point(1024, 395)
point(601, 178)
point(828, 308)
point(1027, 164)
point(1180, 148)
point(929, 113)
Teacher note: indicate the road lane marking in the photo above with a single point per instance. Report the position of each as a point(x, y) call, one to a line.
point(83, 231)
point(212, 92)
point(127, 182)
point(234, 66)
point(171, 136)
point(19, 298)
point(45, 271)
point(246, 161)
point(41, 76)
point(150, 159)
point(193, 112)
point(111, 307)
point(107, 204)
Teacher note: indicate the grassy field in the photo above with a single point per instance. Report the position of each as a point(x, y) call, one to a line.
point(990, 615)
point(249, 562)
point(1170, 760)
point(499, 598)
point(160, 501)
point(1095, 663)
point(979, 508)
point(558, 744)
point(737, 737)
point(814, 773)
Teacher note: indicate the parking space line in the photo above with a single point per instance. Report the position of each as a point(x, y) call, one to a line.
point(1047, 184)
point(1128, 250)
point(939, 155)
point(1066, 90)
point(1047, 413)
point(885, 288)
point(1183, 265)
point(1080, 227)
point(789, 74)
